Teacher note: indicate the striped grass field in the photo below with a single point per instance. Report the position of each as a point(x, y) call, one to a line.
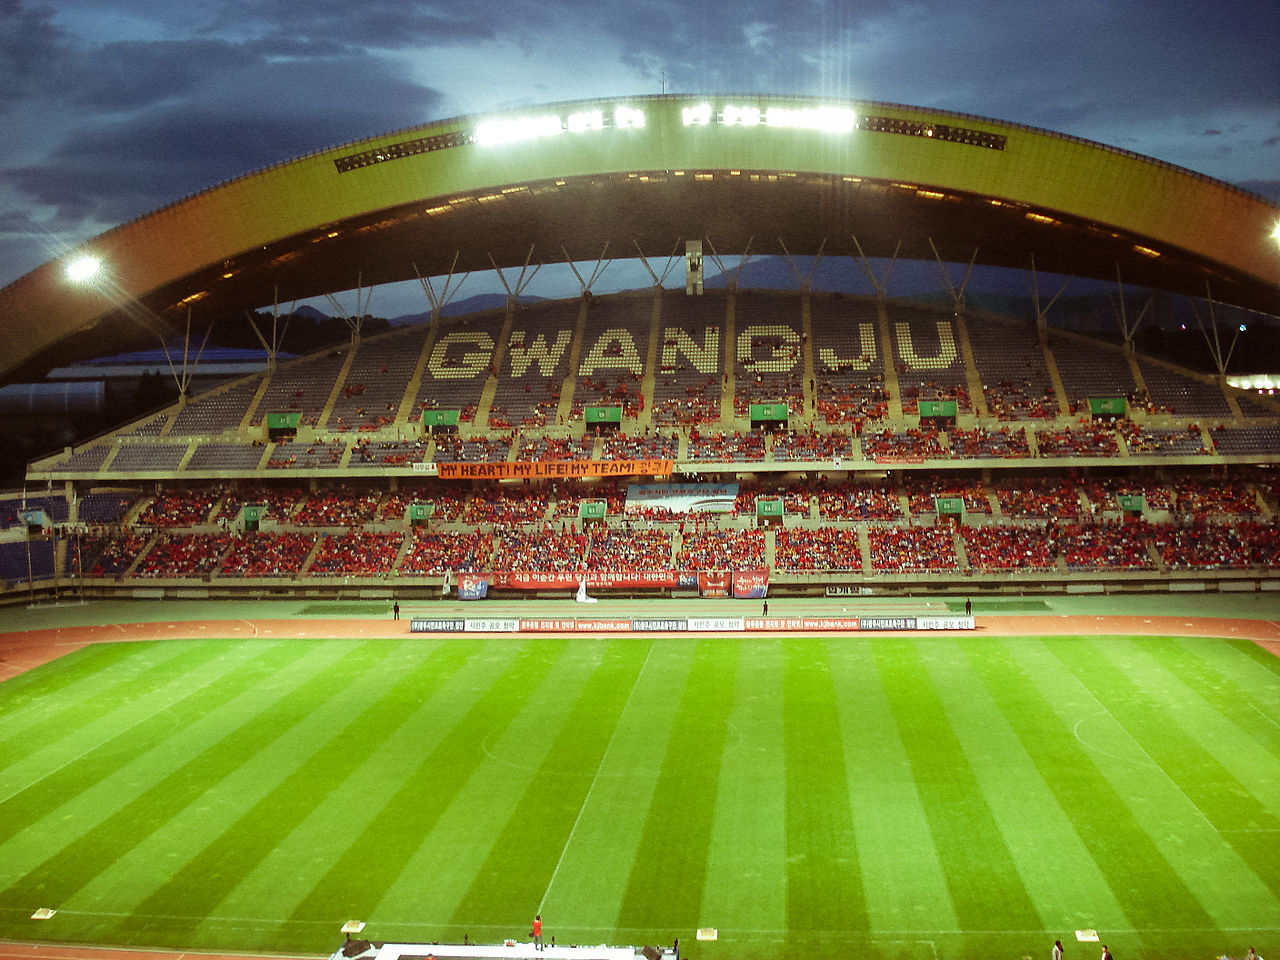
point(902, 798)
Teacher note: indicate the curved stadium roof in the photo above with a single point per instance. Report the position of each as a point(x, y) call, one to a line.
point(642, 174)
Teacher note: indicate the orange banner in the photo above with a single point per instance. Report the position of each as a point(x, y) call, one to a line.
point(553, 468)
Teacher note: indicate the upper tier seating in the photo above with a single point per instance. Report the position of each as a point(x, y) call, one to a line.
point(1177, 393)
point(301, 387)
point(459, 364)
point(535, 366)
point(848, 362)
point(1011, 366)
point(612, 365)
point(1246, 441)
point(219, 409)
point(767, 366)
point(928, 358)
point(689, 379)
point(1090, 369)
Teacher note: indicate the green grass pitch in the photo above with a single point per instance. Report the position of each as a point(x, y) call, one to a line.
point(904, 798)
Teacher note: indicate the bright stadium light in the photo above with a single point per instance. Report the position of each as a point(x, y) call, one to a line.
point(493, 132)
point(698, 116)
point(83, 268)
point(735, 116)
point(1275, 233)
point(587, 120)
point(628, 117)
point(823, 119)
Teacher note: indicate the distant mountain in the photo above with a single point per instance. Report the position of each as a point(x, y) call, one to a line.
point(477, 304)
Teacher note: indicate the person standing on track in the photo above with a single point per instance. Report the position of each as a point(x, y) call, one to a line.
point(1057, 950)
point(395, 610)
point(537, 931)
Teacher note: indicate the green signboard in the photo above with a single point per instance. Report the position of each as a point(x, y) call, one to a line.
point(771, 507)
point(251, 516)
point(283, 421)
point(938, 408)
point(420, 512)
point(1107, 406)
point(604, 415)
point(439, 418)
point(769, 411)
point(1131, 502)
point(949, 505)
point(592, 509)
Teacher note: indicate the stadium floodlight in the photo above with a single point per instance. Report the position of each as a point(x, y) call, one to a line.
point(83, 268)
point(822, 119)
point(494, 132)
point(735, 116)
point(1275, 233)
point(628, 117)
point(699, 116)
point(587, 120)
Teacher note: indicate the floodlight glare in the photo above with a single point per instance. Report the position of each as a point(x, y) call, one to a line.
point(740, 116)
point(1275, 234)
point(822, 119)
point(83, 268)
point(699, 116)
point(587, 120)
point(493, 132)
point(628, 117)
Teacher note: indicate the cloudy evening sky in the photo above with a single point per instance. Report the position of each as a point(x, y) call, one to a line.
point(111, 108)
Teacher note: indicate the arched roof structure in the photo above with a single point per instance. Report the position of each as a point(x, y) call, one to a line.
point(641, 174)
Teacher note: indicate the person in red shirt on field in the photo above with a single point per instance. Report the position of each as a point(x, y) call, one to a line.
point(537, 931)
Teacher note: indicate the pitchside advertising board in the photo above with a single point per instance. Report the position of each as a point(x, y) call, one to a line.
point(597, 626)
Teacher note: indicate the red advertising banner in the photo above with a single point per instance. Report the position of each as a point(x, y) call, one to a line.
point(714, 583)
point(569, 579)
point(553, 468)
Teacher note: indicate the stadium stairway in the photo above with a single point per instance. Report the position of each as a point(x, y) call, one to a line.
point(864, 549)
point(247, 420)
point(648, 383)
point(977, 398)
point(962, 554)
point(727, 420)
point(405, 413)
point(890, 370)
point(1055, 376)
point(339, 382)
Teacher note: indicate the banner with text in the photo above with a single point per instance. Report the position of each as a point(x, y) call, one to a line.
point(682, 497)
point(569, 579)
point(527, 469)
point(751, 584)
point(473, 586)
point(714, 583)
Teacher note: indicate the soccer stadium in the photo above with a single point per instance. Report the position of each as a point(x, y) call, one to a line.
point(704, 618)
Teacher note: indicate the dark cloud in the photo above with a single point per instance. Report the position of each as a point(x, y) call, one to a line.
point(386, 24)
point(33, 52)
point(112, 171)
point(132, 74)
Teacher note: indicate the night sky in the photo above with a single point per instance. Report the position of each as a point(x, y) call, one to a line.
point(111, 108)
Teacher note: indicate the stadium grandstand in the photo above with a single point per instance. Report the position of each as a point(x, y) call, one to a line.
point(647, 440)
